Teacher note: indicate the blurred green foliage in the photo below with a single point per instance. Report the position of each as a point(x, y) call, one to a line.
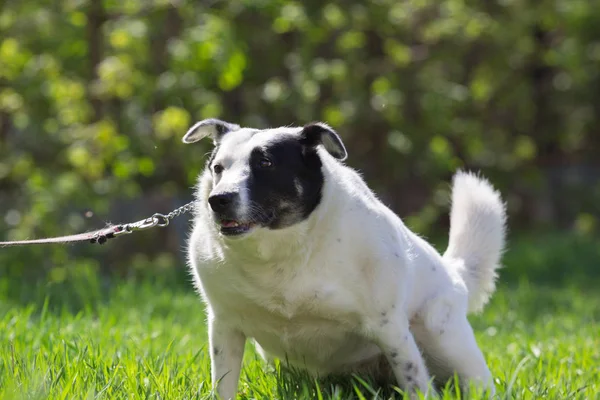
point(95, 95)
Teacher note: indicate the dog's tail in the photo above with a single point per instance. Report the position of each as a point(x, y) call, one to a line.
point(477, 233)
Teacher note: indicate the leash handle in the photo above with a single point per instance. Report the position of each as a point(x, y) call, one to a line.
point(101, 236)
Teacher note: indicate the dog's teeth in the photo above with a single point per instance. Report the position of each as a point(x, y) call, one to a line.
point(230, 224)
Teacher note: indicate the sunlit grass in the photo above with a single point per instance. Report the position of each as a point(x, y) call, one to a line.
point(148, 341)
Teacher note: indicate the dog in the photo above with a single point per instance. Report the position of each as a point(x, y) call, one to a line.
point(292, 249)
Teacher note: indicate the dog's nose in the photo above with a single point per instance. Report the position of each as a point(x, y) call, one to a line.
point(221, 202)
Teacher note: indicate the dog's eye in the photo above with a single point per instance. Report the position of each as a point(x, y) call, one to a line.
point(265, 163)
point(218, 168)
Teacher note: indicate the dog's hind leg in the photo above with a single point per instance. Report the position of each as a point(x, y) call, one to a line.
point(449, 344)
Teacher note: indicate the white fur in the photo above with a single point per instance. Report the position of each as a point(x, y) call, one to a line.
point(477, 230)
point(349, 284)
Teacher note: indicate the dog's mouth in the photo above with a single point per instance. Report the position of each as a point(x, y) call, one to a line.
point(230, 227)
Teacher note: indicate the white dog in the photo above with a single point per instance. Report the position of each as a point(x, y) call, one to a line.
point(290, 248)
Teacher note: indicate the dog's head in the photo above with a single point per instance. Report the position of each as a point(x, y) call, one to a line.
point(268, 178)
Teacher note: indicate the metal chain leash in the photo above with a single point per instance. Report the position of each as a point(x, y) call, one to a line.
point(156, 219)
point(111, 231)
point(181, 210)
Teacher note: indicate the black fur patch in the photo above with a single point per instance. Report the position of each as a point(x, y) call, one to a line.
point(291, 188)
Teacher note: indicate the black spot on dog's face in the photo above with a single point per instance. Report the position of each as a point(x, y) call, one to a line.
point(285, 180)
point(271, 178)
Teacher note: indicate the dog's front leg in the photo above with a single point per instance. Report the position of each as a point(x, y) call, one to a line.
point(393, 336)
point(226, 353)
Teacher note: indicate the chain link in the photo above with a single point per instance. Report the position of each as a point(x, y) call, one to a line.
point(157, 219)
point(181, 210)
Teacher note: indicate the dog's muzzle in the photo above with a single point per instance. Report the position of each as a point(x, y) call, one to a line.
point(224, 207)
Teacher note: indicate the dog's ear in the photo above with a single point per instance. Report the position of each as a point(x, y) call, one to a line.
point(212, 127)
point(318, 133)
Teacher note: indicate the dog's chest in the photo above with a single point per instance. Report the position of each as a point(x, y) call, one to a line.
point(290, 313)
point(280, 295)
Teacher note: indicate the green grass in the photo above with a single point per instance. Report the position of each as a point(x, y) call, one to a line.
point(140, 340)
